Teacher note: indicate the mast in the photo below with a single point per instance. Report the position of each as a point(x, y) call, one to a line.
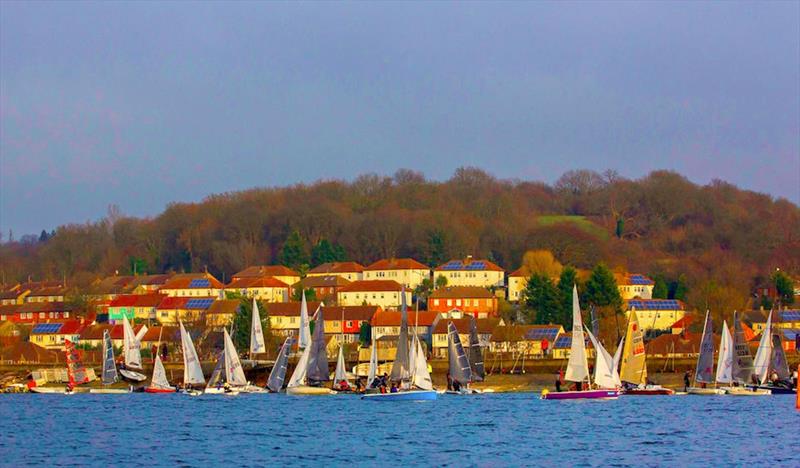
point(401, 368)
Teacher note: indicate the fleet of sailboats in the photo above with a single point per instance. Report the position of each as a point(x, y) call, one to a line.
point(311, 370)
point(131, 351)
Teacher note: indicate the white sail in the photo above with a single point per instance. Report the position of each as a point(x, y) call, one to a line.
point(159, 379)
point(764, 353)
point(257, 344)
point(420, 377)
point(373, 364)
point(131, 346)
point(234, 374)
point(304, 333)
point(192, 372)
point(141, 333)
point(578, 366)
point(299, 375)
point(603, 374)
point(341, 372)
point(725, 360)
point(618, 357)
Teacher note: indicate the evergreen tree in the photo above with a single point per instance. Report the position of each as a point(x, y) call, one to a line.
point(297, 295)
point(568, 279)
point(441, 282)
point(293, 254)
point(43, 236)
point(436, 249)
point(601, 288)
point(325, 252)
point(620, 227)
point(678, 288)
point(542, 299)
point(784, 286)
point(660, 289)
point(365, 334)
point(243, 321)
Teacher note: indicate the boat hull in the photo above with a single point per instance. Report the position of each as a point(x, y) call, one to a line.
point(742, 391)
point(412, 395)
point(159, 390)
point(603, 394)
point(705, 391)
point(133, 376)
point(109, 391)
point(649, 391)
point(775, 390)
point(308, 390)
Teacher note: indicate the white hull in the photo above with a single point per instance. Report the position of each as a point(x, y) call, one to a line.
point(743, 391)
point(221, 391)
point(705, 391)
point(110, 391)
point(307, 390)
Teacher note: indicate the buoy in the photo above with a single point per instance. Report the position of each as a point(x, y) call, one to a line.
point(545, 392)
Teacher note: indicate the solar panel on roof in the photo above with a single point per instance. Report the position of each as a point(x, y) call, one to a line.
point(200, 283)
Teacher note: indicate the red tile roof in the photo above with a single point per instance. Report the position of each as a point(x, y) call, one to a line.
point(360, 313)
point(520, 272)
point(289, 309)
point(338, 267)
point(372, 285)
point(173, 302)
point(330, 281)
point(183, 281)
point(259, 282)
point(391, 318)
point(485, 326)
point(223, 306)
point(397, 264)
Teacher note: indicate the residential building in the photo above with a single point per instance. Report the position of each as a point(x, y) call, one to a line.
point(148, 284)
point(347, 320)
point(109, 288)
point(517, 282)
point(284, 317)
point(221, 313)
point(473, 300)
point(684, 345)
point(351, 271)
point(264, 288)
point(563, 346)
point(635, 286)
point(755, 319)
point(192, 285)
point(787, 318)
point(14, 296)
point(682, 325)
point(471, 272)
point(51, 335)
point(173, 309)
point(532, 341)
point(45, 291)
point(32, 312)
point(406, 271)
point(383, 293)
point(279, 272)
point(387, 323)
point(140, 306)
point(463, 324)
point(656, 314)
point(326, 288)
point(790, 337)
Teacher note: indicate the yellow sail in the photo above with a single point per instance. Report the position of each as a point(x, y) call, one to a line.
point(634, 367)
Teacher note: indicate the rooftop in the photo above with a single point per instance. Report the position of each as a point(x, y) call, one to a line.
point(635, 279)
point(397, 264)
point(257, 282)
point(265, 270)
point(329, 281)
point(193, 281)
point(655, 304)
point(485, 326)
point(525, 333)
point(391, 318)
point(469, 264)
point(337, 267)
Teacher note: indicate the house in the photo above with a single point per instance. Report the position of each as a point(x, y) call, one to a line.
point(684, 345)
point(463, 324)
point(406, 271)
point(351, 271)
point(563, 347)
point(51, 335)
point(284, 317)
point(517, 282)
point(192, 285)
point(32, 312)
point(387, 323)
point(473, 300)
point(528, 340)
point(14, 296)
point(682, 325)
point(45, 291)
point(787, 318)
point(92, 335)
point(790, 337)
point(279, 272)
point(347, 320)
point(471, 272)
point(221, 313)
point(263, 288)
point(173, 309)
point(656, 314)
point(382, 293)
point(109, 288)
point(635, 286)
point(755, 319)
point(156, 336)
point(147, 284)
point(140, 306)
point(324, 287)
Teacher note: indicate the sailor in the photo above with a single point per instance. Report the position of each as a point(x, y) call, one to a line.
point(686, 380)
point(394, 388)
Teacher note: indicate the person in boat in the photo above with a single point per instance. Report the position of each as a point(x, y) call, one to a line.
point(456, 385)
point(558, 382)
point(394, 389)
point(344, 386)
point(449, 381)
point(794, 379)
point(385, 379)
point(377, 382)
point(686, 380)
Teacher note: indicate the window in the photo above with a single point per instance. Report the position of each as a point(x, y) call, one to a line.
point(349, 324)
point(449, 302)
point(41, 314)
point(458, 302)
point(436, 302)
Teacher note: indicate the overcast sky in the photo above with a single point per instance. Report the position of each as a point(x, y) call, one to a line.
point(140, 104)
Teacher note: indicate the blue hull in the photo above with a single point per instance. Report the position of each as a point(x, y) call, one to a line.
point(414, 395)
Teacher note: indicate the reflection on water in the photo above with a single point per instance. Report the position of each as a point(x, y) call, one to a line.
point(511, 429)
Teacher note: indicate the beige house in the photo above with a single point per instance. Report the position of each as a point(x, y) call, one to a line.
point(517, 282)
point(279, 272)
point(471, 272)
point(635, 286)
point(192, 285)
point(656, 314)
point(405, 271)
point(351, 271)
point(284, 317)
point(383, 293)
point(265, 288)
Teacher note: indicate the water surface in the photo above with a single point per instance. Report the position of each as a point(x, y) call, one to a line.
point(484, 430)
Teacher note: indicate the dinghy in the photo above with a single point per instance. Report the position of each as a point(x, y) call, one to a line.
point(372, 373)
point(771, 359)
point(109, 373)
point(705, 361)
point(578, 366)
point(131, 351)
point(159, 382)
point(410, 367)
point(633, 373)
point(192, 372)
point(742, 370)
point(312, 368)
point(278, 373)
point(460, 370)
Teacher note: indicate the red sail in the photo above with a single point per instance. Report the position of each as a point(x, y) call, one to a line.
point(75, 370)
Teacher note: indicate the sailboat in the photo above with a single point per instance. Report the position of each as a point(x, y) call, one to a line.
point(460, 371)
point(232, 380)
point(109, 375)
point(192, 372)
point(372, 373)
point(633, 372)
point(159, 382)
point(216, 382)
point(578, 366)
point(131, 351)
point(770, 358)
point(705, 361)
point(312, 367)
point(410, 367)
point(605, 374)
point(742, 370)
point(278, 373)
point(257, 344)
point(475, 353)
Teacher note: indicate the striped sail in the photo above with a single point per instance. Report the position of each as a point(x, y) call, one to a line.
point(278, 373)
point(475, 354)
point(460, 370)
point(705, 361)
point(109, 365)
point(742, 361)
point(577, 366)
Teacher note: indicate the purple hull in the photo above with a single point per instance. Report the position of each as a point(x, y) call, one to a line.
point(582, 395)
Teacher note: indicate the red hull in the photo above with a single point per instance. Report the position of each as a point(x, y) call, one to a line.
point(158, 390)
point(582, 395)
point(658, 391)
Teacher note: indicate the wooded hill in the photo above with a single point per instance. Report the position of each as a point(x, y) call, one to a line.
point(721, 239)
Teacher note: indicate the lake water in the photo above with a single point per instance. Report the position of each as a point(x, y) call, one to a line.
point(483, 430)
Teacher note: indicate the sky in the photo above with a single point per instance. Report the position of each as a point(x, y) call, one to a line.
point(141, 104)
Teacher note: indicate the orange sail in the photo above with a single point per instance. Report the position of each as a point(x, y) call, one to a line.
point(75, 370)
